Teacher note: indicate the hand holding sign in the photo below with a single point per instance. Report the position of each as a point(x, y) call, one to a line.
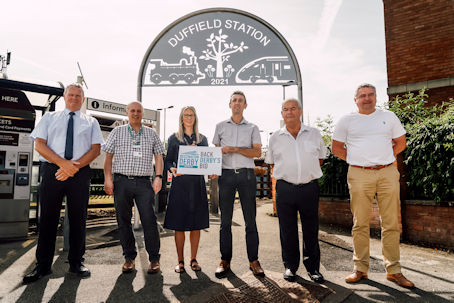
point(199, 160)
point(173, 170)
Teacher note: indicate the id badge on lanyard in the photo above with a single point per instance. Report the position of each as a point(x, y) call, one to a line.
point(136, 146)
point(137, 150)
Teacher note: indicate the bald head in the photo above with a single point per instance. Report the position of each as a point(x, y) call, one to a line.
point(134, 103)
point(134, 110)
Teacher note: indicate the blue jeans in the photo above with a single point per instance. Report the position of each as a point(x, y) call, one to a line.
point(125, 192)
point(241, 180)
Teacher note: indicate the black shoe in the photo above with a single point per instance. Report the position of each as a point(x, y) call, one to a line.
point(289, 275)
point(316, 276)
point(80, 270)
point(222, 270)
point(36, 274)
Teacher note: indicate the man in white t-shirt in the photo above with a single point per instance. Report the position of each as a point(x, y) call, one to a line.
point(296, 152)
point(369, 140)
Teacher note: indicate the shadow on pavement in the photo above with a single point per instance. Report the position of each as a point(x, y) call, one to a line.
point(152, 291)
point(196, 290)
point(34, 291)
point(12, 250)
point(68, 289)
point(388, 294)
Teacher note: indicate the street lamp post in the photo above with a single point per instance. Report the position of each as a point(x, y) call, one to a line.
point(268, 134)
point(165, 110)
point(284, 86)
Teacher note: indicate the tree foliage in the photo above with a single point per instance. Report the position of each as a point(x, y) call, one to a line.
point(430, 145)
point(334, 179)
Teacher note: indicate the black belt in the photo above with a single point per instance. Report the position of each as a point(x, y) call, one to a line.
point(132, 177)
point(297, 185)
point(237, 170)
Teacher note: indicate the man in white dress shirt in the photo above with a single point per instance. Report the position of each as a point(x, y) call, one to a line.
point(67, 142)
point(297, 151)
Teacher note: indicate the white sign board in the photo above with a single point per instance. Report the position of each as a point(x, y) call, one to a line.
point(199, 160)
point(117, 108)
point(98, 162)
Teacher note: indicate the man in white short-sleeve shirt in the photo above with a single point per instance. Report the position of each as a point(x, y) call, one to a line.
point(369, 140)
point(67, 142)
point(296, 152)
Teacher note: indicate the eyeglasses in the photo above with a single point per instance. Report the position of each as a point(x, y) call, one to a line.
point(188, 116)
point(362, 96)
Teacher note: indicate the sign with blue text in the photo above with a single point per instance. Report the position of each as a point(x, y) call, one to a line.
point(224, 47)
point(199, 160)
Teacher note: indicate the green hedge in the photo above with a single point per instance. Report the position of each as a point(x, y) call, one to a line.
point(430, 158)
point(334, 179)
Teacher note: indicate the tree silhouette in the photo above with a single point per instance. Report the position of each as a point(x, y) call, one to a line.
point(220, 51)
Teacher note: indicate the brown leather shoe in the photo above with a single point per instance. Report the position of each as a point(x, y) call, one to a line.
point(400, 279)
point(128, 266)
point(222, 270)
point(256, 268)
point(154, 267)
point(356, 276)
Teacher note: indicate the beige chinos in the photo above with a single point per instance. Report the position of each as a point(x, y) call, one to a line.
point(364, 184)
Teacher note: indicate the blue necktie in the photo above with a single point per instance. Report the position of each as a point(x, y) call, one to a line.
point(69, 137)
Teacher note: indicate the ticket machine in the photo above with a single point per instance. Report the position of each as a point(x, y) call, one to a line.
point(17, 120)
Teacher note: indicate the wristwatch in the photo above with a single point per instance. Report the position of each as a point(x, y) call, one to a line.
point(159, 176)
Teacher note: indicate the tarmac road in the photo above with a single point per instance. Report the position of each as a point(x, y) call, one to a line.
point(432, 271)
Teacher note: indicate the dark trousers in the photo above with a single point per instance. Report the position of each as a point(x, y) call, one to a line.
point(52, 191)
point(243, 181)
point(290, 200)
point(126, 191)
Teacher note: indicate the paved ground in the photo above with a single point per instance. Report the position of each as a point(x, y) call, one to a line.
point(431, 270)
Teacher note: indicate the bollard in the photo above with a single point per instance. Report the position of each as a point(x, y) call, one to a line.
point(66, 227)
point(214, 196)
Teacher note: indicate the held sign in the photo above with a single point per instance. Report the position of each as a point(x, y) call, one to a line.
point(199, 160)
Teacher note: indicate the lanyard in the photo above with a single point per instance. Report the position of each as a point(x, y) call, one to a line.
point(134, 140)
point(186, 140)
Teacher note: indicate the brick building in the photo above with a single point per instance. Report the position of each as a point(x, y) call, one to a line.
point(419, 53)
point(420, 47)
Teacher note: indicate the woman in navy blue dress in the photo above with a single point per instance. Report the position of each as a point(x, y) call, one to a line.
point(187, 208)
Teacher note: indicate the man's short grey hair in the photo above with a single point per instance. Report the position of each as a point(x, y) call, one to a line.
point(133, 102)
point(365, 85)
point(292, 100)
point(238, 92)
point(77, 85)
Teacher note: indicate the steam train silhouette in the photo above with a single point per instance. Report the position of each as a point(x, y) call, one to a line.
point(187, 71)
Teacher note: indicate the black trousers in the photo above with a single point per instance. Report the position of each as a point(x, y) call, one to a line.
point(290, 200)
point(242, 180)
point(126, 191)
point(52, 191)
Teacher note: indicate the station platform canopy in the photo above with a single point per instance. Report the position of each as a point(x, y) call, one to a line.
point(41, 94)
